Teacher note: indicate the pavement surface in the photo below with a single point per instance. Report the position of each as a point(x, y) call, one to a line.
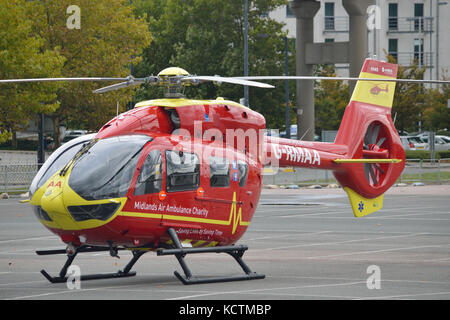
point(306, 242)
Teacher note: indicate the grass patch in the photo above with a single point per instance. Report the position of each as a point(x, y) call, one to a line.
point(427, 176)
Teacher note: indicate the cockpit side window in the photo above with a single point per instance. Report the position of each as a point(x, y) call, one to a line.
point(183, 171)
point(219, 172)
point(58, 160)
point(106, 169)
point(150, 176)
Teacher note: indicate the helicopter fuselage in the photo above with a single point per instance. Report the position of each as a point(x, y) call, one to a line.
point(184, 176)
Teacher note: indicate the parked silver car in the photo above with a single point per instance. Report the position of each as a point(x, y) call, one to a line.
point(407, 144)
point(440, 143)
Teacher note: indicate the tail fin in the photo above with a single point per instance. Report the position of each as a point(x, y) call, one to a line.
point(376, 157)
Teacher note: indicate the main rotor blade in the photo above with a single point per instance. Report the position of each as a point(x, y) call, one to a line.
point(342, 78)
point(60, 79)
point(233, 80)
point(121, 85)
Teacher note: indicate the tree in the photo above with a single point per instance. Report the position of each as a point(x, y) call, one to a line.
point(109, 39)
point(330, 99)
point(408, 105)
point(206, 37)
point(22, 56)
point(437, 113)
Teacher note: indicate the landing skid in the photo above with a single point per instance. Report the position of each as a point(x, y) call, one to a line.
point(235, 251)
point(126, 272)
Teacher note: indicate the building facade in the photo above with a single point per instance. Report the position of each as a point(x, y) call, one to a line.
point(408, 30)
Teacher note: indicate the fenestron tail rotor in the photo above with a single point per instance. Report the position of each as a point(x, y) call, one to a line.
point(375, 146)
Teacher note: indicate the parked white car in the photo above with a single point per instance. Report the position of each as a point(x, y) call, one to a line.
point(407, 145)
point(419, 144)
point(440, 143)
point(445, 138)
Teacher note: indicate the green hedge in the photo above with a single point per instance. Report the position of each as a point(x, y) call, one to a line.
point(28, 145)
point(422, 154)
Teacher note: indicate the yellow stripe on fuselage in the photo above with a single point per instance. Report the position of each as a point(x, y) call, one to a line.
point(235, 218)
point(374, 92)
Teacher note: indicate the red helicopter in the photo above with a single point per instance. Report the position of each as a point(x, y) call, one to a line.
point(180, 176)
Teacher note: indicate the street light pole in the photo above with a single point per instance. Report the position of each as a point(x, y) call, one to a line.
point(288, 116)
point(41, 142)
point(438, 3)
point(246, 100)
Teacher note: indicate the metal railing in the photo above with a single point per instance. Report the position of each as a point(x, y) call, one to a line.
point(426, 170)
point(424, 59)
point(410, 24)
point(416, 170)
point(394, 24)
point(16, 178)
point(335, 24)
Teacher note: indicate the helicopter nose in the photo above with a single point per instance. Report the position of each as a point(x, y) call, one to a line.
point(52, 203)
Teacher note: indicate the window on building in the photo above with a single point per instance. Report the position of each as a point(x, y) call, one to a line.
point(393, 48)
point(418, 17)
point(289, 13)
point(329, 39)
point(393, 16)
point(219, 172)
point(183, 171)
point(418, 51)
point(150, 176)
point(329, 15)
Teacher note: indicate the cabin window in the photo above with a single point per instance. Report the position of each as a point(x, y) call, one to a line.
point(219, 172)
point(183, 171)
point(150, 177)
point(243, 173)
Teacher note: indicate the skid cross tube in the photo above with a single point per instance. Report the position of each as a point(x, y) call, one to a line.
point(235, 251)
point(126, 272)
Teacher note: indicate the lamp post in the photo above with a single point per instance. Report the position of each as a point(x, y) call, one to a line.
point(438, 3)
point(246, 102)
point(286, 83)
point(41, 142)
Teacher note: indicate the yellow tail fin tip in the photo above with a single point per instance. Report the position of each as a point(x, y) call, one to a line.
point(362, 206)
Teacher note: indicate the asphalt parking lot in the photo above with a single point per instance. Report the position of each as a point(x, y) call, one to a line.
point(306, 242)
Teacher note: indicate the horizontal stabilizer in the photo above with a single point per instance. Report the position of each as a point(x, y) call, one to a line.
point(368, 160)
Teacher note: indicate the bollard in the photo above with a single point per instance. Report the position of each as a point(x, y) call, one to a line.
point(420, 169)
point(439, 171)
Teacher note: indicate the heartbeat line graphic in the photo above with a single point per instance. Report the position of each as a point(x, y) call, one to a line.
point(236, 218)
